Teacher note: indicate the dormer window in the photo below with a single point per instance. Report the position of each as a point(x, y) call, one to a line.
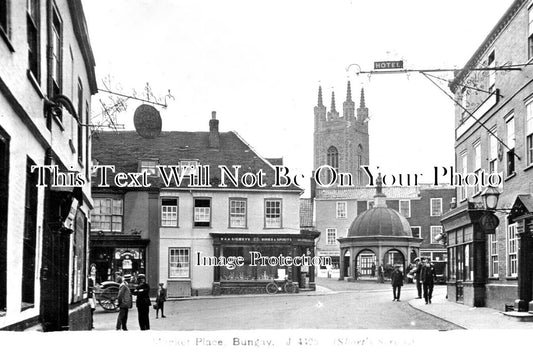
point(188, 167)
point(149, 166)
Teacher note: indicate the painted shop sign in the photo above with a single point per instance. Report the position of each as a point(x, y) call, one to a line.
point(388, 65)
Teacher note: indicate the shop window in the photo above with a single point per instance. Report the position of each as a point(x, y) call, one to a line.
point(30, 237)
point(202, 212)
point(341, 210)
point(169, 212)
point(511, 144)
point(273, 213)
point(405, 208)
point(107, 215)
point(331, 236)
point(237, 213)
point(179, 263)
point(4, 187)
point(33, 25)
point(436, 206)
point(253, 270)
point(512, 251)
point(493, 253)
point(452, 263)
point(415, 230)
point(149, 166)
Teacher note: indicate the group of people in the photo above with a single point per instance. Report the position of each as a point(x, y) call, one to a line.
point(142, 302)
point(424, 274)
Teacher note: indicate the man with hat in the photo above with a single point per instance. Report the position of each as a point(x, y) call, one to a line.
point(124, 304)
point(427, 275)
point(143, 302)
point(417, 271)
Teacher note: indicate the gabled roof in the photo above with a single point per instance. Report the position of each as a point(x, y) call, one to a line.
point(125, 149)
point(523, 206)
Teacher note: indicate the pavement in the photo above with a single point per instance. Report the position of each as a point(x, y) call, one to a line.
point(461, 315)
point(465, 316)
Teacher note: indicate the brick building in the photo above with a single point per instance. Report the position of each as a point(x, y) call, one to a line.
point(46, 82)
point(494, 134)
point(336, 208)
point(170, 227)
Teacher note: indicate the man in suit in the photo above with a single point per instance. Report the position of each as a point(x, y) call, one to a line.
point(397, 283)
point(427, 275)
point(124, 304)
point(143, 302)
point(418, 270)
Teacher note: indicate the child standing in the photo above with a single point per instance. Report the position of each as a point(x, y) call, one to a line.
point(160, 300)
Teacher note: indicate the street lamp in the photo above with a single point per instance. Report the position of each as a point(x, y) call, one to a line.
point(490, 198)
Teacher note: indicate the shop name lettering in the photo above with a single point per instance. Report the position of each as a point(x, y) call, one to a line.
point(257, 259)
point(325, 176)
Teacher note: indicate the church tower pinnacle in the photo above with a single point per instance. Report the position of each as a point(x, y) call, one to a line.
point(333, 114)
point(349, 106)
point(362, 111)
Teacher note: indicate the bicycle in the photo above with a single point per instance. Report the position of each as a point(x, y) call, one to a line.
point(276, 286)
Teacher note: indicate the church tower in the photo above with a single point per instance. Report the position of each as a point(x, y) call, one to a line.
point(342, 141)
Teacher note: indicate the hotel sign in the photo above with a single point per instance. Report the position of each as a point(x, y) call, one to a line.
point(388, 65)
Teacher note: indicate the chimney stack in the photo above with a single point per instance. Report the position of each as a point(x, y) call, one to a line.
point(214, 135)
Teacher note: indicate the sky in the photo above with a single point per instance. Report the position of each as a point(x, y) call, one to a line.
point(259, 65)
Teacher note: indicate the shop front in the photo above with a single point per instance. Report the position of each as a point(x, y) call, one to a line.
point(466, 243)
point(124, 256)
point(248, 262)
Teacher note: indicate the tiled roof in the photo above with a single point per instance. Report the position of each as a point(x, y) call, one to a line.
point(275, 161)
point(306, 212)
point(125, 149)
point(367, 193)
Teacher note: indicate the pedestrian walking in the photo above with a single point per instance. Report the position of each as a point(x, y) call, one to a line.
point(124, 304)
point(143, 302)
point(160, 300)
point(428, 275)
point(373, 268)
point(418, 270)
point(397, 283)
point(92, 299)
point(381, 274)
